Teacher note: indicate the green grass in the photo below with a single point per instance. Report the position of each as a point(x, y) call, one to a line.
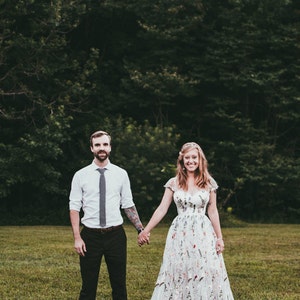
point(262, 261)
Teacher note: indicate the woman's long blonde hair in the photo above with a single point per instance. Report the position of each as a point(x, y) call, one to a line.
point(201, 174)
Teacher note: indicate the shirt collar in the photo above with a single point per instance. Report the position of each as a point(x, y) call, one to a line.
point(96, 167)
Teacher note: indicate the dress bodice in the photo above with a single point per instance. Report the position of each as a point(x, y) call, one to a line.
point(191, 203)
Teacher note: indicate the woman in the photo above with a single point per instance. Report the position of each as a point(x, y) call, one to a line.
point(193, 265)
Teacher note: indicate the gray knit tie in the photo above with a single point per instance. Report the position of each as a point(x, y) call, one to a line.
point(102, 191)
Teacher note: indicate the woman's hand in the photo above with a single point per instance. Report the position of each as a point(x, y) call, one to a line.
point(219, 246)
point(143, 238)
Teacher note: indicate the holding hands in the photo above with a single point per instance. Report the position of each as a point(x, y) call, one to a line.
point(143, 238)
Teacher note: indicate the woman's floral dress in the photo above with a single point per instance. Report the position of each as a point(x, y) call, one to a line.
point(191, 267)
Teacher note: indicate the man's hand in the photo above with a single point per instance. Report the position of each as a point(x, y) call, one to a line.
point(79, 246)
point(143, 238)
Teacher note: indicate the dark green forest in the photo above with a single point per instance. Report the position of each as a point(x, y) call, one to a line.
point(154, 74)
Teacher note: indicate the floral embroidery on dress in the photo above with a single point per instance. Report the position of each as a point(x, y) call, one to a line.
point(191, 268)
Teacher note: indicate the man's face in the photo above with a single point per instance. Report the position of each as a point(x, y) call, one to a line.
point(101, 148)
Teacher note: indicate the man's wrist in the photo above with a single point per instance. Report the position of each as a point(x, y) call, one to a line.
point(140, 230)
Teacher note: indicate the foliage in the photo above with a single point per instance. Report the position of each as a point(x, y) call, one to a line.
point(233, 74)
point(256, 139)
point(225, 72)
point(39, 82)
point(145, 152)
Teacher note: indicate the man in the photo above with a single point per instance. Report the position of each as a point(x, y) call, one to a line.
point(100, 237)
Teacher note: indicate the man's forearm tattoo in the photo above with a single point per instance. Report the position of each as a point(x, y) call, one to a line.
point(133, 216)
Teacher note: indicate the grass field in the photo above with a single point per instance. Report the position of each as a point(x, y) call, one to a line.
point(262, 261)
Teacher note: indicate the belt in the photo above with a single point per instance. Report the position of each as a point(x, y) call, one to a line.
point(104, 230)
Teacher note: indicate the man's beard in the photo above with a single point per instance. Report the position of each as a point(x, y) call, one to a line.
point(101, 158)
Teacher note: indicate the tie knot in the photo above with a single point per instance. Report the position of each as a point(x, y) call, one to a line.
point(101, 171)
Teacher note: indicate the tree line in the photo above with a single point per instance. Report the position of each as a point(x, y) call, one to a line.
point(155, 74)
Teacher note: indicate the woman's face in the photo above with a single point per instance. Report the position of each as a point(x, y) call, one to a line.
point(191, 160)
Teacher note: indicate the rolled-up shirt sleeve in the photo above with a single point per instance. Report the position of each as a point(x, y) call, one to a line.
point(75, 194)
point(126, 193)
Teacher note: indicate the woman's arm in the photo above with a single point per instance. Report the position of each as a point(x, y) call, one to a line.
point(213, 215)
point(157, 216)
